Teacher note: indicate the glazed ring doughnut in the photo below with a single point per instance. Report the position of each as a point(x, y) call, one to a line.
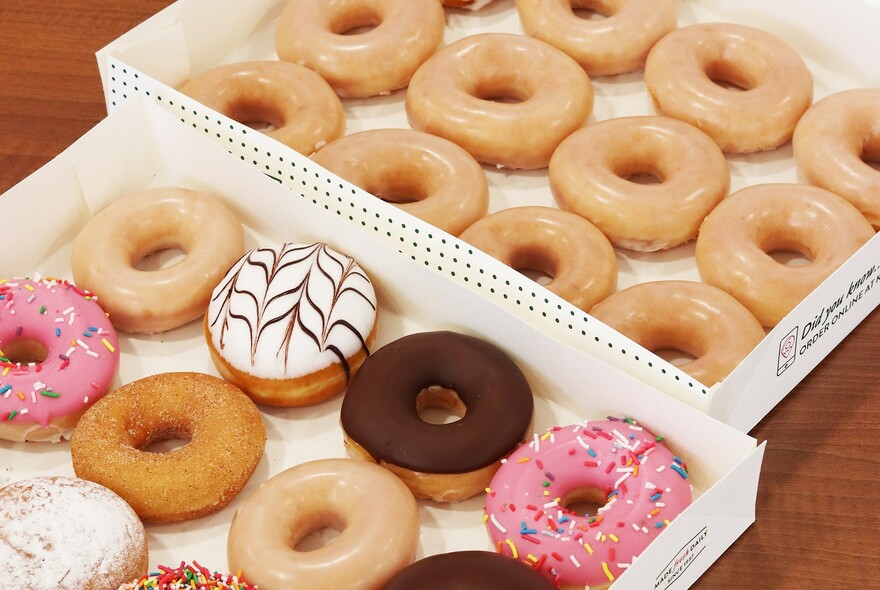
point(576, 256)
point(465, 570)
point(833, 143)
point(291, 324)
point(58, 356)
point(68, 534)
point(455, 95)
point(590, 175)
point(108, 248)
point(424, 175)
point(737, 239)
point(695, 318)
point(686, 73)
point(443, 462)
point(639, 484)
point(293, 104)
point(616, 44)
point(375, 514)
point(224, 437)
point(320, 35)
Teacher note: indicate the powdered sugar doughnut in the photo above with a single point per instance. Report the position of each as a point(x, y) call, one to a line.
point(640, 484)
point(68, 534)
point(58, 355)
point(291, 324)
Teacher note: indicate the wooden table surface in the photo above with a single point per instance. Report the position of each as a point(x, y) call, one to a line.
point(819, 498)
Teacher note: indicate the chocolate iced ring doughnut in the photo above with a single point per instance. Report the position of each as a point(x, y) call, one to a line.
point(473, 378)
point(465, 570)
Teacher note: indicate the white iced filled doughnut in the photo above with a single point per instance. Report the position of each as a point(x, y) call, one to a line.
point(577, 257)
point(375, 514)
point(422, 174)
point(737, 239)
point(615, 44)
point(689, 74)
point(296, 106)
point(291, 324)
point(507, 99)
point(108, 248)
point(590, 175)
point(694, 318)
point(361, 47)
point(834, 142)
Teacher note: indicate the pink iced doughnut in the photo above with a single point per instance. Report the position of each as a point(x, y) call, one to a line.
point(640, 485)
point(58, 355)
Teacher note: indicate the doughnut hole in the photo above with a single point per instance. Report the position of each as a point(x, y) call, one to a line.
point(538, 264)
point(439, 405)
point(164, 439)
point(25, 351)
point(160, 259)
point(639, 172)
point(355, 21)
point(260, 116)
point(501, 87)
point(591, 9)
point(730, 75)
point(787, 251)
point(318, 532)
point(391, 188)
point(870, 154)
point(584, 501)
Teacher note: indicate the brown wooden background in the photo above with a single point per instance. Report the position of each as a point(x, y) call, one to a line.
point(818, 506)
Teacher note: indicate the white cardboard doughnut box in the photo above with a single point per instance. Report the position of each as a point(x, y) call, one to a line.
point(141, 146)
point(191, 36)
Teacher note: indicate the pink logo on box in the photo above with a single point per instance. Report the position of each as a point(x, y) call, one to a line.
point(787, 351)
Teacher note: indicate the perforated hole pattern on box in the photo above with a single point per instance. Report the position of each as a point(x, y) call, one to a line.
point(424, 244)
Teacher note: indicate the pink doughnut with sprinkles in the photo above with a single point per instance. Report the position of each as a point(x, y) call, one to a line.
point(637, 483)
point(58, 355)
point(187, 577)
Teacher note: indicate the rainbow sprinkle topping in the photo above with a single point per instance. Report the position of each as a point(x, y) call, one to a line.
point(190, 577)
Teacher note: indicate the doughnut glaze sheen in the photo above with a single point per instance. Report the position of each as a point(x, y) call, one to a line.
point(395, 38)
point(445, 462)
point(642, 487)
point(422, 174)
point(695, 318)
point(290, 324)
point(107, 250)
point(58, 355)
point(687, 70)
point(221, 427)
point(737, 239)
point(833, 143)
point(296, 106)
point(577, 257)
point(512, 114)
point(616, 44)
point(591, 172)
point(68, 534)
point(375, 514)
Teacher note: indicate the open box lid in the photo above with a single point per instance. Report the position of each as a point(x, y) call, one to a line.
point(141, 146)
point(192, 35)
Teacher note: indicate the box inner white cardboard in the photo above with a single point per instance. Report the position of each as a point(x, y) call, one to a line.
point(141, 146)
point(193, 35)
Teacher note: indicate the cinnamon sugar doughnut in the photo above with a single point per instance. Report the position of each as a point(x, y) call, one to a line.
point(68, 534)
point(736, 240)
point(296, 105)
point(107, 250)
point(323, 36)
point(509, 100)
point(616, 44)
point(590, 175)
point(224, 437)
point(686, 71)
point(468, 376)
point(576, 256)
point(375, 514)
point(695, 318)
point(422, 174)
point(833, 143)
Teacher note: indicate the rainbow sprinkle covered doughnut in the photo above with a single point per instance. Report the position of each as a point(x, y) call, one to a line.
point(58, 355)
point(187, 576)
point(639, 484)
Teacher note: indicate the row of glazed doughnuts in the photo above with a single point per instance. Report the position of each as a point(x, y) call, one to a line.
point(688, 75)
point(287, 325)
